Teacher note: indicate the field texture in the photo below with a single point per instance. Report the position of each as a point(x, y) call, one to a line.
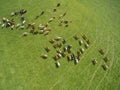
point(22, 68)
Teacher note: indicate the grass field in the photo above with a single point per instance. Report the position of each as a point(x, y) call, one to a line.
point(22, 68)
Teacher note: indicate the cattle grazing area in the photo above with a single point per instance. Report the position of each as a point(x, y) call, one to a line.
point(59, 45)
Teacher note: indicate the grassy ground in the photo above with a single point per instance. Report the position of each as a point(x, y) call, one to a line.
point(21, 67)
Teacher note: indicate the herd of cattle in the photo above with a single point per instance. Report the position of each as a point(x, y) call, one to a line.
point(59, 44)
point(33, 27)
point(64, 50)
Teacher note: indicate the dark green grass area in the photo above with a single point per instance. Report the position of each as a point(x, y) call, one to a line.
point(22, 68)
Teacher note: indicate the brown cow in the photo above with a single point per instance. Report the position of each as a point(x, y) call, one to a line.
point(47, 49)
point(101, 52)
point(106, 59)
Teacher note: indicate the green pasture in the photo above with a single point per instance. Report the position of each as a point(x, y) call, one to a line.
point(22, 68)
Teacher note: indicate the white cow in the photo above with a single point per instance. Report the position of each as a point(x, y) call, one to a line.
point(58, 64)
point(24, 21)
point(3, 25)
point(25, 33)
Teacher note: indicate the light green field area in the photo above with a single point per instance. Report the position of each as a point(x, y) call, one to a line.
point(22, 68)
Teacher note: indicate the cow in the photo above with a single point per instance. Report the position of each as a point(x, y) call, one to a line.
point(58, 51)
point(73, 56)
point(60, 24)
point(66, 22)
point(18, 25)
point(46, 32)
point(23, 22)
point(42, 12)
point(47, 24)
point(63, 53)
point(69, 51)
point(80, 42)
point(66, 25)
point(59, 55)
point(31, 25)
point(25, 33)
point(58, 38)
point(63, 41)
point(69, 46)
point(58, 44)
point(47, 29)
point(41, 27)
point(60, 16)
point(4, 19)
point(54, 10)
point(88, 42)
point(106, 59)
point(57, 64)
point(105, 67)
point(94, 61)
point(22, 27)
point(22, 18)
point(8, 24)
point(40, 31)
point(12, 27)
point(55, 57)
point(51, 19)
point(58, 5)
point(35, 32)
point(69, 58)
point(22, 11)
point(37, 17)
point(76, 37)
point(84, 37)
point(86, 45)
point(65, 48)
point(44, 56)
point(16, 13)
point(101, 51)
point(78, 57)
point(47, 49)
point(12, 14)
point(52, 41)
point(76, 61)
point(64, 14)
point(12, 21)
point(3, 25)
point(82, 50)
point(79, 53)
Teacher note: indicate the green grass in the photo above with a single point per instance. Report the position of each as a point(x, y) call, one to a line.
point(21, 67)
